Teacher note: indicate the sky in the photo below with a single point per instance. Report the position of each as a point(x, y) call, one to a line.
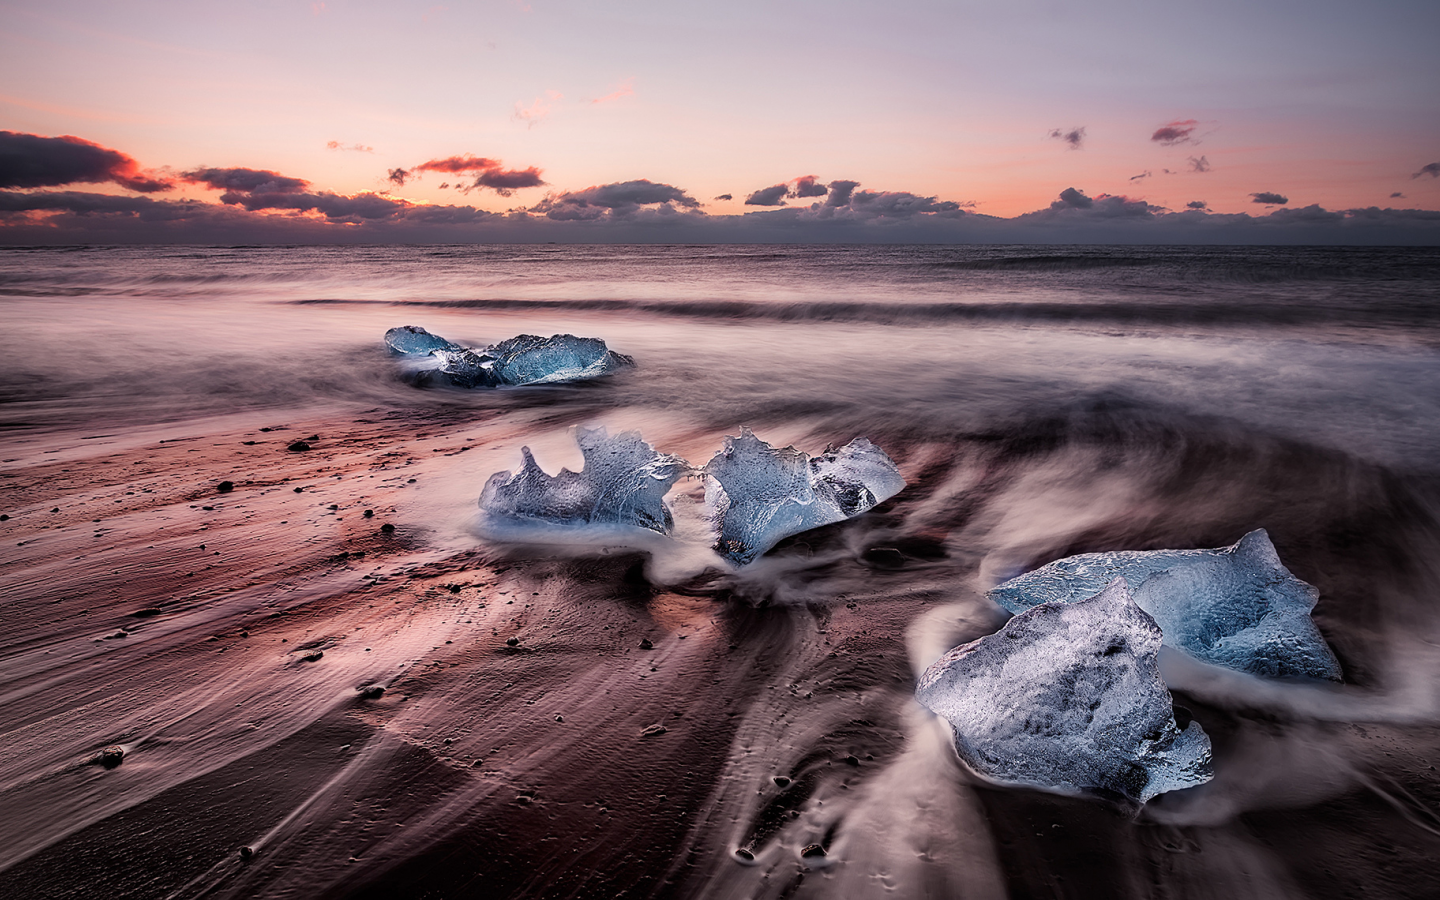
point(919, 120)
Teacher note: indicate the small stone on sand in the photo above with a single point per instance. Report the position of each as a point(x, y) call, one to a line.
point(225, 487)
point(298, 447)
point(652, 730)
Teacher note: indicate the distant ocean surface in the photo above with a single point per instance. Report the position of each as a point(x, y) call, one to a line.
point(1042, 401)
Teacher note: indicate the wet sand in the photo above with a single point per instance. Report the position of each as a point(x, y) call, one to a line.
point(145, 609)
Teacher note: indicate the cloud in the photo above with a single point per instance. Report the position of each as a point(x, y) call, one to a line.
point(332, 206)
point(725, 197)
point(246, 180)
point(626, 89)
point(538, 109)
point(1072, 199)
point(770, 196)
point(840, 193)
point(1199, 164)
point(1396, 194)
point(1180, 131)
point(1073, 206)
point(1143, 175)
point(358, 148)
point(1196, 204)
point(805, 186)
point(1075, 137)
point(614, 201)
point(1431, 169)
point(900, 205)
point(795, 189)
point(489, 173)
point(1269, 198)
point(32, 161)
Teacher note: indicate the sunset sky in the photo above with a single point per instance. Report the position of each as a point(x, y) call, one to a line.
point(938, 109)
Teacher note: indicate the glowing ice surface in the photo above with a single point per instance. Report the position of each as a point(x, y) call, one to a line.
point(1069, 697)
point(1236, 606)
point(623, 482)
point(412, 340)
point(524, 359)
point(758, 495)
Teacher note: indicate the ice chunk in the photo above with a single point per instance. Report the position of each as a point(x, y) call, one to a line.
point(757, 495)
point(531, 359)
point(467, 368)
point(524, 359)
point(1236, 606)
point(412, 340)
point(1069, 697)
point(623, 482)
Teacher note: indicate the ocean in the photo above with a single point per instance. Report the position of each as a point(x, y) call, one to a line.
point(1039, 401)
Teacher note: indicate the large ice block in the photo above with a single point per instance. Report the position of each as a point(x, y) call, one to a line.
point(1235, 606)
point(757, 495)
point(412, 340)
point(623, 482)
point(524, 359)
point(531, 359)
point(1069, 697)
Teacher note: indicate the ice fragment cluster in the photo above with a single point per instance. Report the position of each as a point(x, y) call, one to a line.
point(524, 359)
point(1069, 697)
point(623, 482)
point(1236, 606)
point(757, 495)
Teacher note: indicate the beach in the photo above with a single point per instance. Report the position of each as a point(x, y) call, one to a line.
point(182, 582)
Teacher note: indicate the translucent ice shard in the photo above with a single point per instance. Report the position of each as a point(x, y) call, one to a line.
point(524, 359)
point(412, 340)
point(757, 495)
point(531, 359)
point(1069, 697)
point(1236, 606)
point(466, 368)
point(623, 482)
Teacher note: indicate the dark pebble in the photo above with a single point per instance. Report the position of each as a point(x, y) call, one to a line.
point(652, 730)
point(4, 518)
point(369, 513)
point(247, 853)
point(851, 761)
point(813, 851)
point(248, 443)
point(313, 437)
point(298, 446)
point(372, 691)
point(147, 612)
point(299, 490)
point(225, 487)
point(512, 642)
point(388, 528)
point(110, 757)
point(314, 656)
point(744, 854)
point(781, 781)
point(560, 718)
point(646, 645)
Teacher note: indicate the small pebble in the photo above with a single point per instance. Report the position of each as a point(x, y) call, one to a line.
point(313, 656)
point(388, 528)
point(652, 730)
point(372, 691)
point(247, 853)
point(781, 781)
point(369, 513)
point(299, 490)
point(744, 854)
point(559, 718)
point(513, 642)
point(110, 757)
point(646, 645)
point(225, 487)
point(813, 851)
point(298, 447)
